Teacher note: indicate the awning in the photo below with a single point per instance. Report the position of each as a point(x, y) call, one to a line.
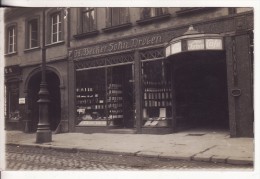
point(193, 40)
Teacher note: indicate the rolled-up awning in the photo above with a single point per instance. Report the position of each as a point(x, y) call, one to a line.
point(193, 40)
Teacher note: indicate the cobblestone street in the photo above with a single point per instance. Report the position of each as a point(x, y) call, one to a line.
point(33, 158)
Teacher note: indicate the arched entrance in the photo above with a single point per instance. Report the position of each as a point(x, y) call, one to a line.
point(53, 82)
point(201, 90)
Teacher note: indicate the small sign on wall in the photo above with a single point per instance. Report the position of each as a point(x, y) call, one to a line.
point(21, 100)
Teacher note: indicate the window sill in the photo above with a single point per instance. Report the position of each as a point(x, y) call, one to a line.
point(86, 34)
point(153, 19)
point(55, 44)
point(191, 10)
point(31, 49)
point(117, 27)
point(10, 54)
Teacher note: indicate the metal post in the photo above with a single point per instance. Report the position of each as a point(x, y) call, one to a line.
point(43, 133)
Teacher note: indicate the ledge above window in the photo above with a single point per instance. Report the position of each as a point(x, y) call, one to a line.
point(190, 10)
point(86, 34)
point(153, 19)
point(117, 27)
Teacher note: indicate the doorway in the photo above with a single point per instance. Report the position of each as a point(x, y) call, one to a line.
point(201, 91)
point(120, 95)
point(53, 82)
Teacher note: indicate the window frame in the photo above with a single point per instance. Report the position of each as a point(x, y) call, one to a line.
point(110, 19)
point(28, 44)
point(110, 27)
point(11, 27)
point(48, 21)
point(157, 17)
point(153, 12)
point(58, 32)
point(80, 34)
point(82, 22)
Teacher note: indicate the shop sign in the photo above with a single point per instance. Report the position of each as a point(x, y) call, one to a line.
point(214, 44)
point(196, 44)
point(118, 46)
point(21, 100)
point(193, 45)
point(176, 48)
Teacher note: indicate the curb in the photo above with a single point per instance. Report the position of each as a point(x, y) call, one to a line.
point(213, 159)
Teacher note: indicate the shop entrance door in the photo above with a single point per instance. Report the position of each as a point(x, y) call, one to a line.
point(201, 93)
point(33, 96)
point(120, 99)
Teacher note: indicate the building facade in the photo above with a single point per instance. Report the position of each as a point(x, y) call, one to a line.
point(151, 70)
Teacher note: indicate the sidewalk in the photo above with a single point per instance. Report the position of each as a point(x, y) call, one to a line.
point(195, 145)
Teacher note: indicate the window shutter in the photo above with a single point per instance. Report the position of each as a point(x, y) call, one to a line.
point(165, 10)
point(80, 21)
point(27, 34)
point(95, 19)
point(115, 16)
point(38, 32)
point(48, 27)
point(62, 15)
point(6, 40)
point(15, 40)
point(124, 15)
point(108, 17)
point(146, 12)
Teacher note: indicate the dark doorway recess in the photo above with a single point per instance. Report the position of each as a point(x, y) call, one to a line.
point(54, 105)
point(201, 90)
point(122, 75)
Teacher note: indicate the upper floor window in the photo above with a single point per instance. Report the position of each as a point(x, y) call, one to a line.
point(117, 16)
point(88, 19)
point(12, 39)
point(56, 29)
point(55, 26)
point(148, 12)
point(32, 34)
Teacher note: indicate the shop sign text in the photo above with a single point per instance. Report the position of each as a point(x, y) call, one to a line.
point(195, 44)
point(117, 46)
point(214, 44)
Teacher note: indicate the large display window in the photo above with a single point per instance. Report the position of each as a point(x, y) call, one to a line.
point(157, 94)
point(104, 97)
point(91, 97)
point(12, 112)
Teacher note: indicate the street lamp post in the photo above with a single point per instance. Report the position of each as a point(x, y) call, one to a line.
point(43, 133)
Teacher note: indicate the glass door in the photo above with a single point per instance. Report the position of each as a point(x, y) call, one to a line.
point(120, 96)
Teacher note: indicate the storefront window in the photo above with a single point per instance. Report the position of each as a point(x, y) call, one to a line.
point(104, 97)
point(12, 101)
point(91, 97)
point(157, 94)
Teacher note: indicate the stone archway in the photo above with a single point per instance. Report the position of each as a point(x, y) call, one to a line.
point(33, 87)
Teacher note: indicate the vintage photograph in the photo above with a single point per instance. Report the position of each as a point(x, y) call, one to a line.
point(129, 88)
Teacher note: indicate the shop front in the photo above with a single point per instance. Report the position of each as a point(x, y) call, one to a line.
point(13, 107)
point(104, 96)
point(165, 81)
